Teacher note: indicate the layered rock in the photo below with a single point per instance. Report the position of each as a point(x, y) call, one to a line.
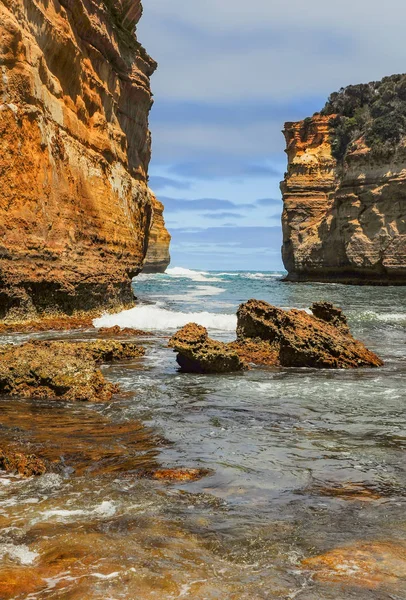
point(344, 192)
point(157, 257)
point(75, 208)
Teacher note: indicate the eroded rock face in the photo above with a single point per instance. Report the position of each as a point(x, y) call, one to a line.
point(75, 208)
point(197, 353)
point(342, 222)
point(158, 257)
point(302, 340)
point(62, 369)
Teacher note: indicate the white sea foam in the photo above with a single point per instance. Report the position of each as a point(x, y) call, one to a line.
point(155, 318)
point(180, 272)
point(21, 553)
point(104, 509)
point(370, 315)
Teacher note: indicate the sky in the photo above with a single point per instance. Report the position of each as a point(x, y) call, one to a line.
point(230, 73)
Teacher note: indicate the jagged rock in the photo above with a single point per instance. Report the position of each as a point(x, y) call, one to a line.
point(326, 311)
point(197, 353)
point(302, 340)
point(26, 465)
point(61, 369)
point(76, 213)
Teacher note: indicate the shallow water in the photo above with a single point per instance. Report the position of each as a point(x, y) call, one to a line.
point(303, 462)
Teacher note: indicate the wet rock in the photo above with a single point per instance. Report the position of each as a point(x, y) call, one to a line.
point(179, 475)
point(257, 352)
point(26, 465)
point(367, 565)
point(302, 340)
point(65, 370)
point(326, 311)
point(116, 330)
point(197, 353)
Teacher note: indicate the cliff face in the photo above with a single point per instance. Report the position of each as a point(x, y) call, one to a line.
point(157, 257)
point(344, 216)
point(75, 208)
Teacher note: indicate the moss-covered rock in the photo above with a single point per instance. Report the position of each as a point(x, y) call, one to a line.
point(62, 369)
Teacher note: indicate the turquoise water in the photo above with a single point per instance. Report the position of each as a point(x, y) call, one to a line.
point(303, 462)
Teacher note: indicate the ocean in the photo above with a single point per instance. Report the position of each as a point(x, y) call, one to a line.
point(306, 492)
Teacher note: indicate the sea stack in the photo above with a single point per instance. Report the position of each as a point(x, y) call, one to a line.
point(76, 213)
point(344, 192)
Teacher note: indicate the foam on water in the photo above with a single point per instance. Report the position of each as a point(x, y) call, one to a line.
point(21, 553)
point(155, 318)
point(190, 274)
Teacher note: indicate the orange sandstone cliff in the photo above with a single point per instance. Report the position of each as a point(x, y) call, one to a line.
point(76, 213)
point(344, 193)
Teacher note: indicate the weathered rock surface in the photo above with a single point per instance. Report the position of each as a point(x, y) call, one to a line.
point(302, 340)
point(197, 353)
point(157, 257)
point(342, 221)
point(62, 369)
point(368, 564)
point(75, 209)
point(26, 465)
point(271, 336)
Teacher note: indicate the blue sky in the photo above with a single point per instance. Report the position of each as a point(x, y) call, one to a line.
point(230, 73)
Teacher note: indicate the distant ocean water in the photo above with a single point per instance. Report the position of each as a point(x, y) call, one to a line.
point(303, 461)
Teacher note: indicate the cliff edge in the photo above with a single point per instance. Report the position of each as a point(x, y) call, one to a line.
point(75, 209)
point(344, 192)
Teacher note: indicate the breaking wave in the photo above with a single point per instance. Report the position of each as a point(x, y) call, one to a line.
point(156, 318)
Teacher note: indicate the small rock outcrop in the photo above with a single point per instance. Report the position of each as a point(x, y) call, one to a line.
point(64, 370)
point(197, 353)
point(76, 213)
point(26, 465)
point(303, 340)
point(267, 335)
point(344, 192)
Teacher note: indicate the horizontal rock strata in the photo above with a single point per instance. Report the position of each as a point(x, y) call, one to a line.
point(344, 220)
point(75, 208)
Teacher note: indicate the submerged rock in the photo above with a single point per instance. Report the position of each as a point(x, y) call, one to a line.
point(368, 565)
point(303, 340)
point(62, 369)
point(197, 353)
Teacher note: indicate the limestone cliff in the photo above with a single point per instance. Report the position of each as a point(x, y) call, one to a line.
point(157, 257)
point(75, 208)
point(344, 193)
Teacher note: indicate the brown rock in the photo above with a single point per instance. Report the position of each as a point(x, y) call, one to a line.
point(76, 212)
point(301, 340)
point(126, 331)
point(197, 353)
point(157, 258)
point(326, 311)
point(342, 222)
point(61, 369)
point(26, 465)
point(179, 475)
point(368, 565)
